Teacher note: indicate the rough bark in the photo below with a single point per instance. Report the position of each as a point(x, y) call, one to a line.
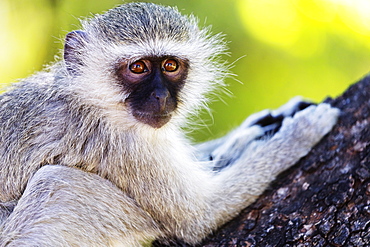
point(324, 200)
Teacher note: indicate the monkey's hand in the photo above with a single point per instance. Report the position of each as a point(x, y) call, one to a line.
point(298, 134)
point(259, 126)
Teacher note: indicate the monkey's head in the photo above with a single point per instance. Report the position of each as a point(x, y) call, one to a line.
point(144, 63)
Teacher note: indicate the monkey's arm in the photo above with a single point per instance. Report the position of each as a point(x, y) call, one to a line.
point(242, 182)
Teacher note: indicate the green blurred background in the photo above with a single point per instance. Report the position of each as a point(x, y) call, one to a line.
point(280, 48)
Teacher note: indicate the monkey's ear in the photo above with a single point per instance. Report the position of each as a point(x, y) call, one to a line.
point(73, 47)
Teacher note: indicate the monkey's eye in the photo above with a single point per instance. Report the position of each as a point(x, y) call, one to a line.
point(170, 65)
point(138, 67)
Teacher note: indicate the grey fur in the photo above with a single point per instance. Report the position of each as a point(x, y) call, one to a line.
point(86, 173)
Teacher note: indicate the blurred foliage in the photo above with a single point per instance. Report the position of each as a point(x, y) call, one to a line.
point(279, 48)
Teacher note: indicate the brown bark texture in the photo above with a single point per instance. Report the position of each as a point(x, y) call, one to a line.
point(324, 200)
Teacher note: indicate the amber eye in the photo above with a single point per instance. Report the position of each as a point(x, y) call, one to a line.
point(170, 65)
point(138, 67)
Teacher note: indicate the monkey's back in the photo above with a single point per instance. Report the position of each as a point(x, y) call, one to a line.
point(41, 123)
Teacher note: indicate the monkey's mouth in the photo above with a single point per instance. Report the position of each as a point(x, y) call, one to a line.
point(152, 119)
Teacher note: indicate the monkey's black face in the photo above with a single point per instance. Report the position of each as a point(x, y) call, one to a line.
point(153, 85)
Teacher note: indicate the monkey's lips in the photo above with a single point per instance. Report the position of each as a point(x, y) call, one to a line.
point(152, 119)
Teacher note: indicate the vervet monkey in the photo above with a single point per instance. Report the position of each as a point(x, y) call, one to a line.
point(92, 152)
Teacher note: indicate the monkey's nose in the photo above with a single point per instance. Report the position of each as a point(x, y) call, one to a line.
point(161, 96)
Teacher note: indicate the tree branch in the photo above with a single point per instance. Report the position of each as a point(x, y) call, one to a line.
point(324, 200)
